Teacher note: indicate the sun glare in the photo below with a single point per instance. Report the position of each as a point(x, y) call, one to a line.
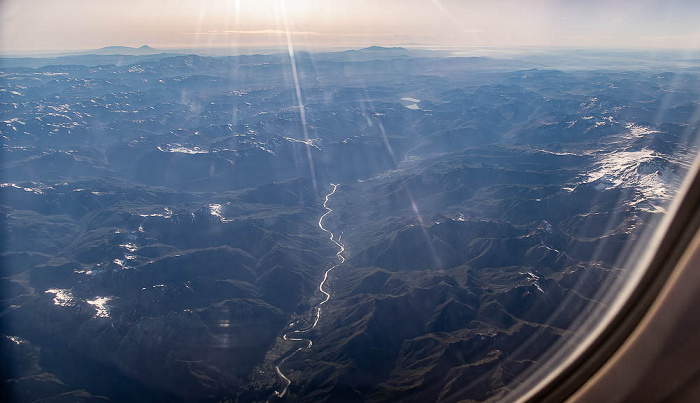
point(32, 24)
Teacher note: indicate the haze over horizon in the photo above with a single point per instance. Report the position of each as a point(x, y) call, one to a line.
point(31, 25)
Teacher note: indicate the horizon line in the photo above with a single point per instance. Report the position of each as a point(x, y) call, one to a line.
point(82, 51)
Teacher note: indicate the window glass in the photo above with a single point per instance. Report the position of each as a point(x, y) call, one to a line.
point(346, 201)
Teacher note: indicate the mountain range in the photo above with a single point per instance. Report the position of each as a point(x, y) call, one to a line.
point(160, 218)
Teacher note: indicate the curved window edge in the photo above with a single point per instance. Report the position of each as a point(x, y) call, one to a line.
point(573, 367)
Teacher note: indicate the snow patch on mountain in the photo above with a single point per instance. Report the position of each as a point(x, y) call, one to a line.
point(177, 148)
point(640, 130)
point(652, 175)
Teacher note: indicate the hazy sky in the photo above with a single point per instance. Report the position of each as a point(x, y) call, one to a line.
point(81, 24)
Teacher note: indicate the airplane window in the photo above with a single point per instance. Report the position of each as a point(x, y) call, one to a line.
point(331, 201)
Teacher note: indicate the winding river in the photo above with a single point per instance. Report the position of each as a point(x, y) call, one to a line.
point(294, 335)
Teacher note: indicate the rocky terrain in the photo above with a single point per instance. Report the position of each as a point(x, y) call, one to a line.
point(160, 219)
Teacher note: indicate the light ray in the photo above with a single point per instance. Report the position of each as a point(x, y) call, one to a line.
point(428, 241)
point(297, 87)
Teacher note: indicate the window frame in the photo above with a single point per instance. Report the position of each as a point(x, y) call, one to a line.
point(672, 237)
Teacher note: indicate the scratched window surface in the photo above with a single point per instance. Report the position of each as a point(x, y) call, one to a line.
point(373, 201)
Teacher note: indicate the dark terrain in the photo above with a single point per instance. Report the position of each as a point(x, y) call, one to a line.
point(160, 219)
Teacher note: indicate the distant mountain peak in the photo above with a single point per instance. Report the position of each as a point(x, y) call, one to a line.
point(125, 50)
point(383, 48)
point(123, 47)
